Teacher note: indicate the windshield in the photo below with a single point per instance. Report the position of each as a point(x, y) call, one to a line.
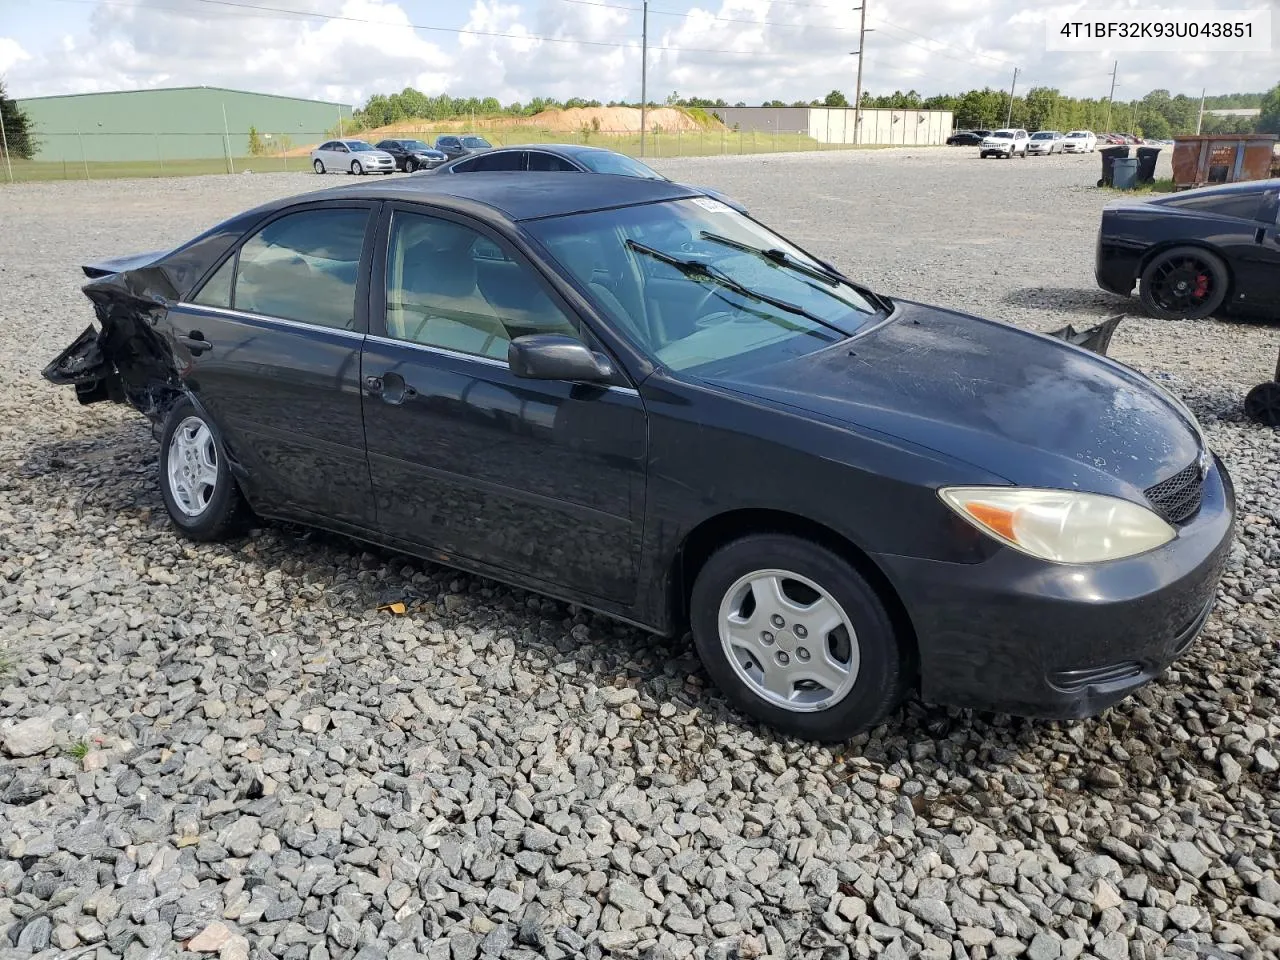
point(698, 286)
point(1003, 134)
point(357, 146)
point(414, 145)
point(1043, 136)
point(1076, 135)
point(475, 142)
point(603, 161)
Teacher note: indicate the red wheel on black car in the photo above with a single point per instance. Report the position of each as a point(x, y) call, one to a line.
point(1184, 283)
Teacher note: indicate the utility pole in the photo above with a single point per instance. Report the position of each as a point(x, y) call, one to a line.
point(1111, 96)
point(1200, 119)
point(857, 91)
point(644, 74)
point(4, 142)
point(1008, 120)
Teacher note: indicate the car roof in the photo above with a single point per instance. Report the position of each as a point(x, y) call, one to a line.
point(1221, 189)
point(515, 195)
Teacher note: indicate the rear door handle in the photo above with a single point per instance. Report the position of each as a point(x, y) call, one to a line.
point(195, 342)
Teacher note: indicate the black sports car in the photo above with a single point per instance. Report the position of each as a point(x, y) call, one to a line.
point(628, 395)
point(1196, 252)
point(411, 155)
point(566, 158)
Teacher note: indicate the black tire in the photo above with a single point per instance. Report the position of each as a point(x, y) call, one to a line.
point(318, 165)
point(356, 169)
point(224, 509)
point(882, 675)
point(1194, 266)
point(410, 165)
point(1262, 403)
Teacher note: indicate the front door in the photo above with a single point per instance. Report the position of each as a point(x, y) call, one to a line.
point(542, 478)
point(270, 345)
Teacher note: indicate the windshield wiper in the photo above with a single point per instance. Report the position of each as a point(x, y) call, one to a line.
point(778, 257)
point(699, 270)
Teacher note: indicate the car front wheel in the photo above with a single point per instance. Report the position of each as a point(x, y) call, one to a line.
point(199, 491)
point(1184, 283)
point(410, 165)
point(356, 168)
point(796, 638)
point(318, 165)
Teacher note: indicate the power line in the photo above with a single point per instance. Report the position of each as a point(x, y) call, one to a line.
point(270, 11)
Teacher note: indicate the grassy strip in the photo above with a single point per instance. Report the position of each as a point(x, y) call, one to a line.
point(695, 143)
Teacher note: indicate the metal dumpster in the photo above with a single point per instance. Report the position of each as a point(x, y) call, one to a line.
point(1223, 158)
point(1147, 157)
point(1109, 156)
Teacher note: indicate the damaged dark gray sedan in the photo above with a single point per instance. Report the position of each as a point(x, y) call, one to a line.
point(630, 396)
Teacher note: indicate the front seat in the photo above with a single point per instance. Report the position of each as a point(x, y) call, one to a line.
point(439, 302)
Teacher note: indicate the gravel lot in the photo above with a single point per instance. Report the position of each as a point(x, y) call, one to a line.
point(227, 749)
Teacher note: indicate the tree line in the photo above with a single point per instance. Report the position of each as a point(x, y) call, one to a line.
point(1159, 114)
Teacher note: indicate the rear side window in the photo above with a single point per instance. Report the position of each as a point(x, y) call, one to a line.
point(488, 162)
point(466, 166)
point(1245, 206)
point(302, 267)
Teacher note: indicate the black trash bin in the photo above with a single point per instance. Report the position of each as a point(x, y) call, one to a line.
point(1147, 157)
point(1109, 156)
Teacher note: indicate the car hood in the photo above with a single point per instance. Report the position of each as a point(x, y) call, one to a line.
point(1023, 406)
point(431, 154)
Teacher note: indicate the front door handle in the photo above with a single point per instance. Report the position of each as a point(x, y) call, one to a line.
point(195, 342)
point(394, 390)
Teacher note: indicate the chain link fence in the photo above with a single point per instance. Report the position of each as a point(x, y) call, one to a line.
point(94, 155)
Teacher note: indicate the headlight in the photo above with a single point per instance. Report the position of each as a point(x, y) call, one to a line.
point(1063, 526)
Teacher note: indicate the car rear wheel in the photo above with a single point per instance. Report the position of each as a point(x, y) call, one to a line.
point(796, 638)
point(318, 165)
point(356, 168)
point(1184, 283)
point(199, 491)
point(1262, 403)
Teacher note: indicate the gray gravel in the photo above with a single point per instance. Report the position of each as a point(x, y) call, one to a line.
point(227, 750)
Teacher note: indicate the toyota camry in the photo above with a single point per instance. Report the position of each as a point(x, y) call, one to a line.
point(630, 396)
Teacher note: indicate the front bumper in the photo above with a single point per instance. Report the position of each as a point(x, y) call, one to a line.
point(1059, 641)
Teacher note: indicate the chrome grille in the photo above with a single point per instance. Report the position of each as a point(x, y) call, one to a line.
point(1177, 498)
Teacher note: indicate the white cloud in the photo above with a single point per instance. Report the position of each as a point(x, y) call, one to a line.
point(11, 54)
point(783, 50)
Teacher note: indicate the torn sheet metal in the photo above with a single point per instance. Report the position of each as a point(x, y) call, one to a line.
point(1096, 338)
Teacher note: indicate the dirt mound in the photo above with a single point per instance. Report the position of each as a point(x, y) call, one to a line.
point(611, 119)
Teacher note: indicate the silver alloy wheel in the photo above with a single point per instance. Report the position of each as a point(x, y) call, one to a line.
point(789, 640)
point(357, 169)
point(319, 167)
point(192, 466)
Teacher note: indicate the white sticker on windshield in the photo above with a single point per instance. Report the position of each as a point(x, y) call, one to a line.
point(711, 206)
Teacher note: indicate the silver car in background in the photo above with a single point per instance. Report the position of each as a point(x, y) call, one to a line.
point(1045, 143)
point(351, 156)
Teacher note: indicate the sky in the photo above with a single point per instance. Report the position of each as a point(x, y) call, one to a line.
point(748, 50)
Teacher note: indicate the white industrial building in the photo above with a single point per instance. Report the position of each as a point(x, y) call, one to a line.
point(910, 128)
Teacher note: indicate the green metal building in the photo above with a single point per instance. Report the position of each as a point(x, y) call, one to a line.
point(178, 123)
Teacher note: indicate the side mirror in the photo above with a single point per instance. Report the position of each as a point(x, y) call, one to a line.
point(551, 356)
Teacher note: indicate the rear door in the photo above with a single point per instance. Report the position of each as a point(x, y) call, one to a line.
point(541, 478)
point(270, 346)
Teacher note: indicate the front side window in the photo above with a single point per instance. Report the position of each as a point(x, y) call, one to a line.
point(216, 291)
point(450, 287)
point(303, 267)
point(696, 285)
point(503, 160)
